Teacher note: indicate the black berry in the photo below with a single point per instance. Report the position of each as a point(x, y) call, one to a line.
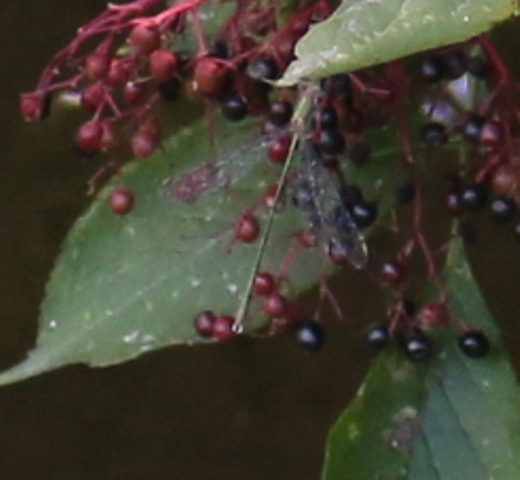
point(330, 142)
point(474, 344)
point(377, 337)
point(326, 117)
point(432, 69)
point(417, 346)
point(234, 108)
point(503, 208)
point(280, 113)
point(364, 213)
point(473, 129)
point(310, 336)
point(263, 69)
point(473, 196)
point(434, 134)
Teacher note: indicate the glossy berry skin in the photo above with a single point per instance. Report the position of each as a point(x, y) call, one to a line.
point(491, 134)
point(326, 118)
point(280, 113)
point(35, 106)
point(434, 134)
point(247, 228)
point(474, 344)
point(223, 327)
point(163, 64)
point(234, 108)
point(418, 346)
point(97, 65)
point(377, 337)
point(122, 201)
point(278, 149)
point(503, 208)
point(145, 38)
point(92, 97)
point(211, 76)
point(432, 69)
point(264, 284)
point(473, 197)
point(262, 69)
point(204, 323)
point(89, 137)
point(276, 305)
point(454, 63)
point(473, 129)
point(454, 203)
point(330, 142)
point(310, 336)
point(392, 273)
point(364, 213)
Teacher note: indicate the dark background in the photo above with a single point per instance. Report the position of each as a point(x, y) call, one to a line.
point(250, 410)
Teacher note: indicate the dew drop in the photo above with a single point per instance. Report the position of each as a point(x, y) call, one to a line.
point(131, 337)
point(195, 282)
point(233, 288)
point(53, 324)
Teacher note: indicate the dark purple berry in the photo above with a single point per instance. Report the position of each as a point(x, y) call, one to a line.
point(454, 63)
point(234, 108)
point(330, 142)
point(310, 336)
point(474, 344)
point(434, 134)
point(280, 113)
point(473, 128)
point(326, 117)
point(432, 69)
point(503, 208)
point(264, 284)
point(478, 66)
point(377, 337)
point(473, 196)
point(364, 213)
point(417, 346)
point(263, 69)
point(223, 328)
point(392, 273)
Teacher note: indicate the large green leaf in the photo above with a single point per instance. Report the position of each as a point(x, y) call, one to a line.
point(454, 418)
point(126, 285)
point(362, 33)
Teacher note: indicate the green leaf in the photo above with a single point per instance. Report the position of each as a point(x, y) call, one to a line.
point(127, 285)
point(362, 33)
point(453, 418)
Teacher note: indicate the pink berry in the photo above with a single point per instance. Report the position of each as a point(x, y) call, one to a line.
point(122, 201)
point(97, 65)
point(92, 97)
point(223, 327)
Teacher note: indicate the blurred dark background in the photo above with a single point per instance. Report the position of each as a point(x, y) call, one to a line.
point(253, 410)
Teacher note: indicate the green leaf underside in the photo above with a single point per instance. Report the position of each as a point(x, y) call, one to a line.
point(362, 33)
point(452, 418)
point(127, 285)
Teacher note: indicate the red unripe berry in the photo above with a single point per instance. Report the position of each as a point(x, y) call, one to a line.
point(211, 76)
point(143, 143)
point(278, 149)
point(264, 284)
point(34, 106)
point(433, 314)
point(204, 323)
point(97, 65)
point(118, 73)
point(223, 327)
point(92, 97)
point(163, 65)
point(392, 273)
point(506, 180)
point(145, 38)
point(133, 92)
point(276, 305)
point(247, 228)
point(491, 134)
point(89, 137)
point(122, 201)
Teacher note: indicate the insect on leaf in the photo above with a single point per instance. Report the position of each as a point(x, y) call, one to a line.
point(362, 33)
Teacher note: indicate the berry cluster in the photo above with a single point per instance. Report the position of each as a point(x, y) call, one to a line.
point(464, 93)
